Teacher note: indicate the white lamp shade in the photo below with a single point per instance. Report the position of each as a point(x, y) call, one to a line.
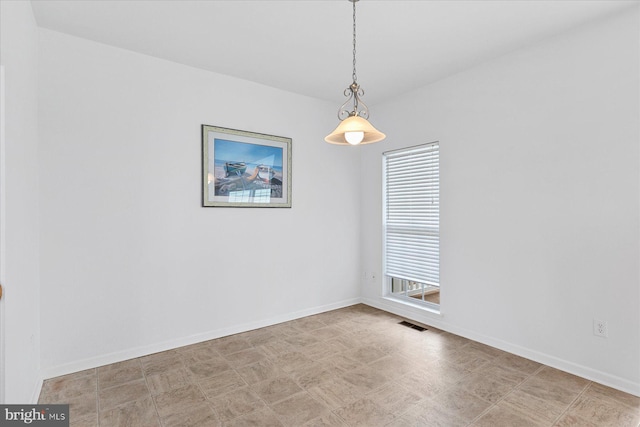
point(354, 124)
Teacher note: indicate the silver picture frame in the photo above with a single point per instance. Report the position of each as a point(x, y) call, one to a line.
point(245, 169)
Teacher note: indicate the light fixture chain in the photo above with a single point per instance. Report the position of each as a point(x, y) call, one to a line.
point(355, 78)
point(354, 128)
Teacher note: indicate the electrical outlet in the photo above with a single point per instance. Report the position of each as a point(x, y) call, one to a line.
point(600, 328)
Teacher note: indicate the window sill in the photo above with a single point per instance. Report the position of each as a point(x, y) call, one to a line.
point(407, 302)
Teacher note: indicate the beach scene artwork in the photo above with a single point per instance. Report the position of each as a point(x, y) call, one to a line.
point(245, 172)
point(245, 169)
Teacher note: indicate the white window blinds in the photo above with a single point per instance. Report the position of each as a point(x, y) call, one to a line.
point(412, 214)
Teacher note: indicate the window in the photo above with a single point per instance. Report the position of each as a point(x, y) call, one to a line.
point(412, 223)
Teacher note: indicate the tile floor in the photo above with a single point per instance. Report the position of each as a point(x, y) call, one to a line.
point(351, 367)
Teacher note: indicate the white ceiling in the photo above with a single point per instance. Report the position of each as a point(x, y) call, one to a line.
point(305, 46)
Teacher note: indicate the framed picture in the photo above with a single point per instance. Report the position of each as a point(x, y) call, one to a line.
point(245, 169)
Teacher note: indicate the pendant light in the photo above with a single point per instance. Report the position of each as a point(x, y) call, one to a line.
point(354, 129)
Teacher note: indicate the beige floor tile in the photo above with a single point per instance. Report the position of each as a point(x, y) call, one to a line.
point(82, 407)
point(445, 369)
point(208, 368)
point(327, 333)
point(548, 390)
point(395, 399)
point(301, 340)
point(139, 413)
point(299, 409)
point(237, 403)
point(339, 363)
point(503, 373)
point(168, 380)
point(118, 395)
point(365, 354)
point(416, 352)
point(69, 388)
point(276, 348)
point(60, 383)
point(384, 345)
point(608, 393)
point(90, 421)
point(547, 409)
point(483, 348)
point(424, 382)
point(428, 414)
point(245, 357)
point(392, 366)
point(119, 373)
point(311, 375)
point(351, 339)
point(329, 420)
point(259, 337)
point(258, 372)
point(365, 379)
point(221, 384)
point(232, 344)
point(568, 420)
point(504, 416)
point(262, 418)
point(472, 361)
point(199, 415)
point(488, 388)
point(199, 354)
point(517, 363)
point(277, 389)
point(604, 412)
point(161, 362)
point(308, 323)
point(357, 338)
point(448, 343)
point(335, 392)
point(178, 400)
point(292, 361)
point(461, 404)
point(323, 349)
point(563, 379)
point(285, 329)
point(365, 412)
point(45, 398)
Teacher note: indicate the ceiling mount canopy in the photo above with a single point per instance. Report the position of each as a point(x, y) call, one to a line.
point(354, 129)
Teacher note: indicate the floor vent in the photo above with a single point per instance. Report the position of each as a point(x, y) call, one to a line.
point(412, 326)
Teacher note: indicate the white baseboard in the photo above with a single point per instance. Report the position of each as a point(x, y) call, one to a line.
point(436, 320)
point(36, 390)
point(119, 356)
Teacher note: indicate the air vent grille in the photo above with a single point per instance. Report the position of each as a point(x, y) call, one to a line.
point(412, 326)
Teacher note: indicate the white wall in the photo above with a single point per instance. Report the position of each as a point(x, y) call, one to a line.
point(130, 262)
point(539, 199)
point(20, 272)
